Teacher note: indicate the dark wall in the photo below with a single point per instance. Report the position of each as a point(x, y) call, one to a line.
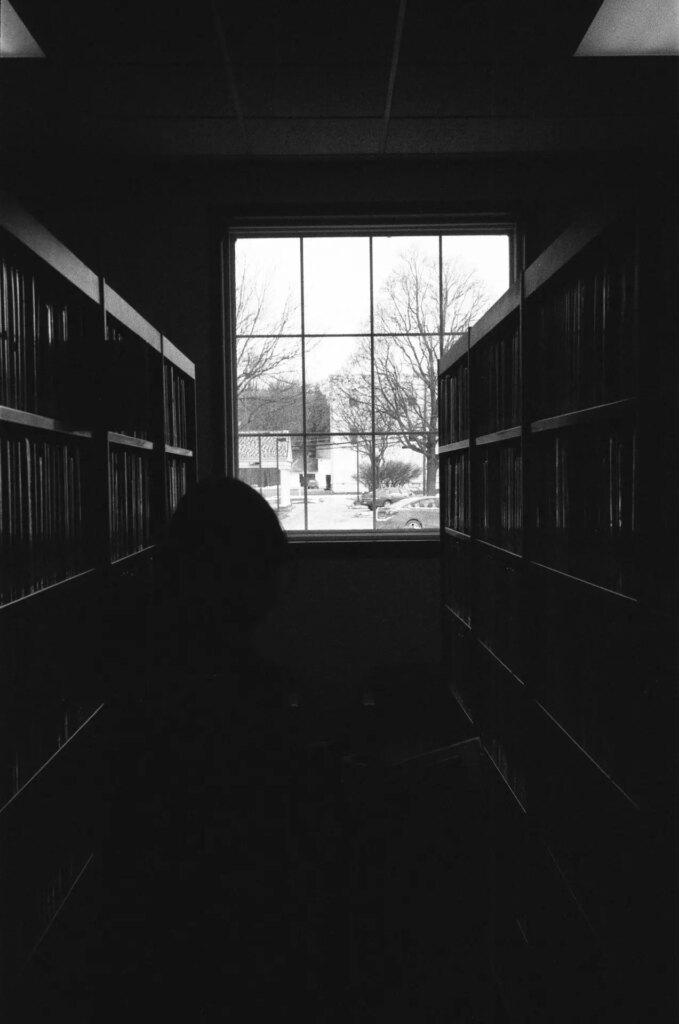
point(357, 617)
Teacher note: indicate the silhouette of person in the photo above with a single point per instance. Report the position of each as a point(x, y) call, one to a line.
point(204, 868)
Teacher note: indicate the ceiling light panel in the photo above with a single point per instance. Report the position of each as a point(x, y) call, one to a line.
point(15, 39)
point(633, 28)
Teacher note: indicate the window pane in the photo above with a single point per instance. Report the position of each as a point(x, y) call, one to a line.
point(475, 275)
point(407, 493)
point(335, 491)
point(336, 285)
point(266, 463)
point(406, 284)
point(408, 461)
point(268, 299)
point(269, 384)
point(406, 383)
point(338, 385)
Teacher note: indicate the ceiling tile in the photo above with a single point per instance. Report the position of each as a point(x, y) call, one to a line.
point(309, 31)
point(312, 91)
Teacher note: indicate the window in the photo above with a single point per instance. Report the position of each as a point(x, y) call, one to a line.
point(336, 340)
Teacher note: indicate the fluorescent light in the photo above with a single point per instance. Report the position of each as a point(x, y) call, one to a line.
point(633, 28)
point(15, 39)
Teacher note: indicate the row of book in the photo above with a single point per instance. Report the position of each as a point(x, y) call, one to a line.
point(498, 502)
point(496, 366)
point(177, 408)
point(177, 471)
point(30, 737)
point(582, 336)
point(504, 724)
point(600, 700)
point(495, 743)
point(549, 961)
point(130, 501)
point(132, 379)
point(42, 531)
point(456, 495)
point(498, 605)
point(592, 830)
point(457, 576)
point(458, 658)
point(29, 920)
point(584, 503)
point(43, 345)
point(454, 404)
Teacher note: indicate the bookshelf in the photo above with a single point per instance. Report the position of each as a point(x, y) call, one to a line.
point(97, 445)
point(179, 423)
point(559, 582)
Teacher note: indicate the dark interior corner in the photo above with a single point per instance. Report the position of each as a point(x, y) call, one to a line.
point(480, 728)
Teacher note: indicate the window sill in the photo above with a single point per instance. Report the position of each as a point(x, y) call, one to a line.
point(339, 541)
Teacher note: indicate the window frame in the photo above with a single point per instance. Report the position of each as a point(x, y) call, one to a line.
point(270, 223)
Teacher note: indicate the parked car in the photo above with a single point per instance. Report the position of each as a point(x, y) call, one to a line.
point(419, 513)
point(384, 497)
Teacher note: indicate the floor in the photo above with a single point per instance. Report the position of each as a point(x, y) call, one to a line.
point(401, 901)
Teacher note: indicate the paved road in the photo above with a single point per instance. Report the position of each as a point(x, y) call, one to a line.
point(328, 512)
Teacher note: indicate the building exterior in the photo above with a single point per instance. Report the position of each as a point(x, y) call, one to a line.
point(266, 464)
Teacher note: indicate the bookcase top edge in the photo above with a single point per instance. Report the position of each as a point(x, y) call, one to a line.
point(507, 304)
point(119, 308)
point(451, 358)
point(178, 359)
point(42, 243)
point(567, 246)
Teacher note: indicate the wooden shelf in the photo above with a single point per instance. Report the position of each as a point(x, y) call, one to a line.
point(36, 422)
point(127, 441)
point(456, 533)
point(74, 884)
point(123, 312)
point(462, 707)
point(506, 782)
point(456, 615)
point(178, 359)
point(454, 446)
point(184, 453)
point(581, 750)
point(50, 760)
point(596, 413)
point(46, 592)
point(569, 887)
point(499, 549)
point(125, 560)
point(509, 434)
point(580, 581)
point(489, 650)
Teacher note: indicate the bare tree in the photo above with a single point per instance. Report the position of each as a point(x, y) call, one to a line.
point(265, 359)
point(352, 413)
point(419, 315)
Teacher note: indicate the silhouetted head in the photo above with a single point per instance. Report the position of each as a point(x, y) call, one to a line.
point(223, 555)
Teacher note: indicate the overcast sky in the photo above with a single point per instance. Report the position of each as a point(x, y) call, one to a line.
point(337, 281)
